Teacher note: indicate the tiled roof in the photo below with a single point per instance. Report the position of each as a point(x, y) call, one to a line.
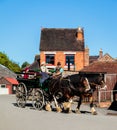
point(33, 66)
point(93, 58)
point(5, 72)
point(8, 80)
point(53, 39)
point(98, 66)
point(12, 80)
point(107, 58)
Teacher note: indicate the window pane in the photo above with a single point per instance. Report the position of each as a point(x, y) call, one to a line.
point(70, 59)
point(2, 86)
point(50, 59)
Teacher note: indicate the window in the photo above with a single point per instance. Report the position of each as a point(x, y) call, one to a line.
point(50, 59)
point(2, 86)
point(70, 59)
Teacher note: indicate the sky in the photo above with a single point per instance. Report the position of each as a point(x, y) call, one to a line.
point(21, 22)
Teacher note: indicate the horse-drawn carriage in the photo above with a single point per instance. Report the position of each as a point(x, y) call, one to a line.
point(30, 89)
point(58, 90)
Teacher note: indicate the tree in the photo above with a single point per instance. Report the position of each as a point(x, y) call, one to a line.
point(4, 60)
point(25, 64)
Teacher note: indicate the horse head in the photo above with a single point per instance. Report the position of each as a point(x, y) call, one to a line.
point(98, 81)
point(86, 84)
point(102, 85)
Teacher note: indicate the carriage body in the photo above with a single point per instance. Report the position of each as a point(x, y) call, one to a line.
point(30, 89)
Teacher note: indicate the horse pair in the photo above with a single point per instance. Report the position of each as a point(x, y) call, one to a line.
point(63, 90)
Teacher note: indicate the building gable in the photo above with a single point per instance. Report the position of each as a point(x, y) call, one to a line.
point(106, 58)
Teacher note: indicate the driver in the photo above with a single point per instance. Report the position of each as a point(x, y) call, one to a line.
point(58, 71)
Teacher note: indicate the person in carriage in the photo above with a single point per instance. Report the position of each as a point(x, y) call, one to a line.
point(58, 71)
point(44, 72)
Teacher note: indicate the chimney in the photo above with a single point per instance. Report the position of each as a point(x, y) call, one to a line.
point(86, 63)
point(100, 53)
point(80, 34)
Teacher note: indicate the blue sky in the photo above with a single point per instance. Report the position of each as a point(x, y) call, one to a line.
point(21, 22)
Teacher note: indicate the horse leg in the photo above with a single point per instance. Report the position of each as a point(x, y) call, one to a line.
point(48, 106)
point(78, 106)
point(93, 111)
point(67, 106)
point(56, 104)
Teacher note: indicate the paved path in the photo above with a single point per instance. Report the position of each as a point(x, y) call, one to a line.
point(14, 118)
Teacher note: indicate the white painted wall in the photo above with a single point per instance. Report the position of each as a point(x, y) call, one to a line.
point(4, 91)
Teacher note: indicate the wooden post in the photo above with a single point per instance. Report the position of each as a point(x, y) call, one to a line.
point(68, 64)
point(99, 94)
point(111, 95)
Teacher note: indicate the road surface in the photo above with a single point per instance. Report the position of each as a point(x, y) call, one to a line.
point(14, 118)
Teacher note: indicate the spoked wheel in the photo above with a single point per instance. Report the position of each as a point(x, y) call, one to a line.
point(21, 92)
point(38, 99)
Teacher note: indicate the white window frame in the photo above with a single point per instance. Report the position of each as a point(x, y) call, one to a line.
point(50, 52)
point(3, 85)
point(69, 53)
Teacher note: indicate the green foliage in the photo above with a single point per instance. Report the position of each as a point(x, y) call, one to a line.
point(4, 60)
point(25, 64)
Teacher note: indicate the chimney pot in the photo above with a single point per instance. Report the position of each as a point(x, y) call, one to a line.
point(100, 53)
point(80, 34)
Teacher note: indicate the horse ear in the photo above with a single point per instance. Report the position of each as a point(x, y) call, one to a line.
point(101, 75)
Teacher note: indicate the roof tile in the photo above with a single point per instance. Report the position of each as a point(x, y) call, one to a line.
point(60, 40)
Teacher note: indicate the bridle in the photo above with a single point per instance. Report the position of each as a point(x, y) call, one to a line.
point(98, 86)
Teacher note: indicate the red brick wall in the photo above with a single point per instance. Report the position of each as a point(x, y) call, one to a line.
point(9, 88)
point(79, 60)
point(60, 56)
point(42, 57)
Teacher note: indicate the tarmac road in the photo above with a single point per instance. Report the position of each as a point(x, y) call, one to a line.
point(14, 118)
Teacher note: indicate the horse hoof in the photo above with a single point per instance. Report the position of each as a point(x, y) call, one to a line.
point(94, 113)
point(48, 107)
point(67, 110)
point(77, 111)
point(58, 109)
point(70, 111)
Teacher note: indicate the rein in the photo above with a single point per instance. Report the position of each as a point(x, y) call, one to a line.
point(97, 85)
point(94, 84)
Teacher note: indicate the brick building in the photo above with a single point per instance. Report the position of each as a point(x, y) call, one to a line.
point(7, 80)
point(7, 85)
point(106, 65)
point(64, 45)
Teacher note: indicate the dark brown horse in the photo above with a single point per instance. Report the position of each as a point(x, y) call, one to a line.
point(96, 81)
point(64, 89)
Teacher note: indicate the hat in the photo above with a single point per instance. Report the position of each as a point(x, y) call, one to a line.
point(43, 63)
point(59, 63)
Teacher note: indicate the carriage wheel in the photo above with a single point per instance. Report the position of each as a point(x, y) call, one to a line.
point(38, 99)
point(21, 92)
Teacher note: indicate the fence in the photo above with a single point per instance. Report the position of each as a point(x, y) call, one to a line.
point(106, 95)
